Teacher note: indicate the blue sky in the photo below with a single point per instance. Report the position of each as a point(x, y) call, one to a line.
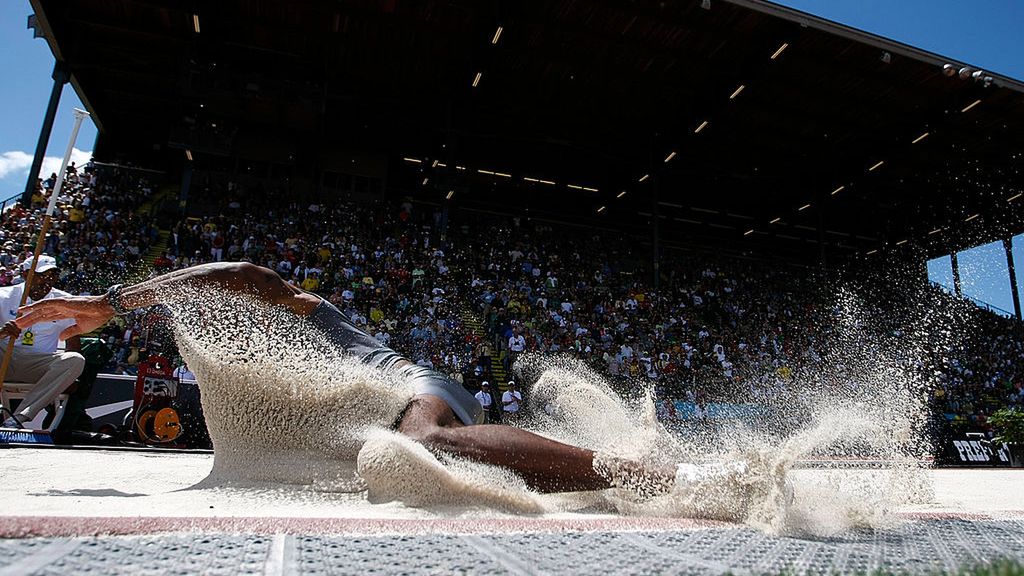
point(986, 34)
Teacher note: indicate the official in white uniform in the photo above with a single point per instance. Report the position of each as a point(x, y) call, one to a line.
point(36, 364)
point(486, 400)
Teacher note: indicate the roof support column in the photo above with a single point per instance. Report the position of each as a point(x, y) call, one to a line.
point(186, 185)
point(822, 260)
point(1015, 289)
point(956, 274)
point(656, 231)
point(446, 177)
point(60, 78)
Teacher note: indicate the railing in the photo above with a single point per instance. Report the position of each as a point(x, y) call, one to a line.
point(978, 303)
point(991, 308)
point(10, 201)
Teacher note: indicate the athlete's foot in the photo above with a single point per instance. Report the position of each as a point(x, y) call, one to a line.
point(644, 480)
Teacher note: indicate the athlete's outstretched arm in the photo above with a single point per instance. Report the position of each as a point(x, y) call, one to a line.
point(91, 312)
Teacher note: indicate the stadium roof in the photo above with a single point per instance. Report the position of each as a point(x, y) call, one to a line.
point(732, 123)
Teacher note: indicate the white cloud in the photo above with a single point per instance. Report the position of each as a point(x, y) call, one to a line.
point(14, 162)
point(51, 164)
point(17, 163)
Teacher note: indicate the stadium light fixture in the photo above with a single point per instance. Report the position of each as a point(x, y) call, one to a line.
point(528, 179)
point(188, 154)
point(426, 180)
point(588, 189)
point(476, 79)
point(195, 23)
point(488, 172)
point(971, 105)
point(971, 217)
point(644, 177)
point(548, 182)
point(838, 190)
point(702, 126)
point(413, 160)
point(876, 166)
point(870, 252)
point(901, 242)
point(621, 194)
point(919, 138)
point(776, 220)
point(670, 156)
point(451, 193)
point(441, 165)
point(575, 186)
point(497, 34)
point(936, 231)
point(748, 232)
point(737, 92)
point(780, 50)
point(503, 175)
point(601, 209)
point(1014, 197)
point(804, 207)
point(434, 164)
point(460, 167)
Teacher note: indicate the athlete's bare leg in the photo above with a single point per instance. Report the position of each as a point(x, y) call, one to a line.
point(545, 465)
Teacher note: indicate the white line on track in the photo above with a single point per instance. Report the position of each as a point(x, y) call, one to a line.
point(280, 557)
point(45, 556)
point(507, 561)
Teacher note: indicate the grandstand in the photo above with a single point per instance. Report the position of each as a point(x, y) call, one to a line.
point(668, 193)
point(819, 157)
point(747, 129)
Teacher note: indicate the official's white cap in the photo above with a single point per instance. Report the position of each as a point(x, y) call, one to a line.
point(45, 263)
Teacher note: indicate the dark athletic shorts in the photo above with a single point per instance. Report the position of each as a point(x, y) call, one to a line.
point(427, 381)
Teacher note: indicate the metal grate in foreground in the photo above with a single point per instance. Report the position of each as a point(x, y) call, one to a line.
point(918, 547)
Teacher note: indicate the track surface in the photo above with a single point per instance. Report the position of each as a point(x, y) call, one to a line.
point(101, 512)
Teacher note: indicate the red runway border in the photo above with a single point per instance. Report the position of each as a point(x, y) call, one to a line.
point(61, 526)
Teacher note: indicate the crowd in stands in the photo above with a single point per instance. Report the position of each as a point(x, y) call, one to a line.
point(95, 235)
point(986, 374)
point(713, 328)
point(387, 273)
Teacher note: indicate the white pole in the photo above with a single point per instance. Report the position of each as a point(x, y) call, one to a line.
point(79, 116)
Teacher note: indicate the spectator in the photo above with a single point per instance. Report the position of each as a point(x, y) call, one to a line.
point(36, 360)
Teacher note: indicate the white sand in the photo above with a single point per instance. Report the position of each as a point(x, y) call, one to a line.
point(52, 482)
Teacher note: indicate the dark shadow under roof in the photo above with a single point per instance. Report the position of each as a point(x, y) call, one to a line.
point(823, 142)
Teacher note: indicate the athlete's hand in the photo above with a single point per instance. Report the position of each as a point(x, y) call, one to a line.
point(88, 312)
